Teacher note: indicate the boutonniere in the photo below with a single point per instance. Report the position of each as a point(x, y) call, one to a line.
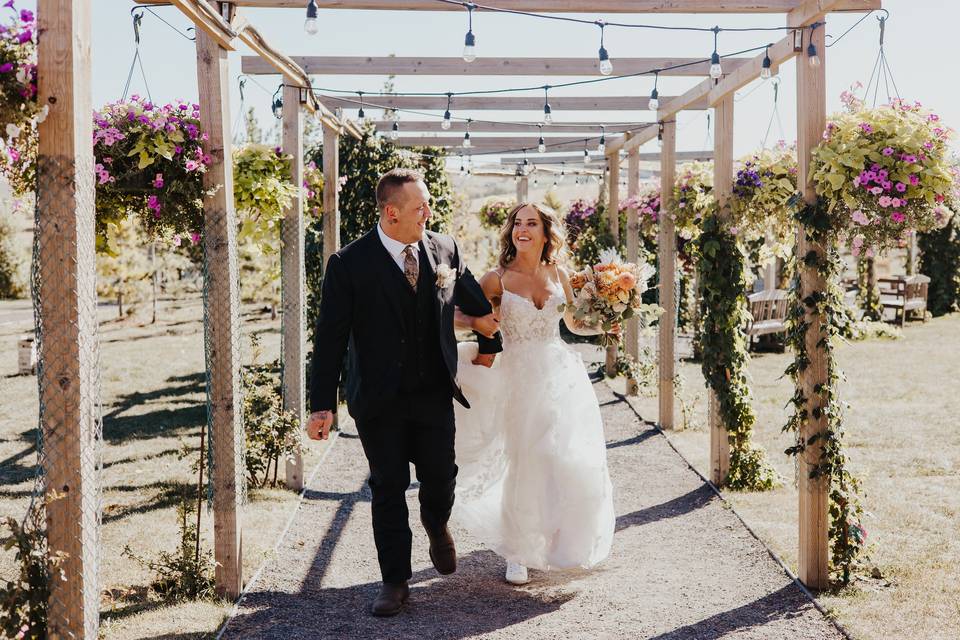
point(446, 276)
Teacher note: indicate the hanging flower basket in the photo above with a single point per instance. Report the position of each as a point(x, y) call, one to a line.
point(313, 189)
point(763, 197)
point(884, 172)
point(494, 213)
point(19, 111)
point(262, 191)
point(149, 163)
point(693, 197)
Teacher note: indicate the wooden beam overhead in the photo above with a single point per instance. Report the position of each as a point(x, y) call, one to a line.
point(501, 103)
point(565, 6)
point(434, 126)
point(499, 142)
point(517, 67)
point(495, 147)
point(681, 156)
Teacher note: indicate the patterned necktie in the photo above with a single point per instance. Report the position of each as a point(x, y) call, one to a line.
point(411, 269)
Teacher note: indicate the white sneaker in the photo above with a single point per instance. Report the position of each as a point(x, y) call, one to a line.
point(517, 573)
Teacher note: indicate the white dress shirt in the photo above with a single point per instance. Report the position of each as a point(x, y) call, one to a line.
point(395, 248)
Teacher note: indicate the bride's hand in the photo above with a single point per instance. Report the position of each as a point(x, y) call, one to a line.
point(484, 359)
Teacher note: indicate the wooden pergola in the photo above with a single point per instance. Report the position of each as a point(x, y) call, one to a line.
point(66, 203)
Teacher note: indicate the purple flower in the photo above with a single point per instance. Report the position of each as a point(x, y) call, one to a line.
point(158, 181)
point(909, 159)
point(8, 4)
point(876, 190)
point(177, 150)
point(6, 67)
point(859, 217)
point(914, 180)
point(866, 127)
point(194, 237)
point(901, 187)
point(888, 151)
point(25, 36)
point(897, 217)
point(884, 201)
point(882, 174)
point(191, 165)
point(887, 185)
point(154, 203)
point(26, 15)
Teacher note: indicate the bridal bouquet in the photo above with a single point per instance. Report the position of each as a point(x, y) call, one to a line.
point(608, 293)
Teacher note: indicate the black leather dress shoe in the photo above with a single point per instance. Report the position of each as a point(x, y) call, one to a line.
point(390, 599)
point(443, 553)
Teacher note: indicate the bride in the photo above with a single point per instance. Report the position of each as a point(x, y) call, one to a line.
point(533, 484)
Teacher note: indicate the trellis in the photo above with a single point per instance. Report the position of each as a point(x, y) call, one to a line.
point(70, 419)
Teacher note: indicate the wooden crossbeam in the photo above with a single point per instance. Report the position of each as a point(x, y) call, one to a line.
point(500, 103)
point(501, 142)
point(564, 6)
point(681, 156)
point(206, 18)
point(434, 126)
point(517, 67)
point(635, 140)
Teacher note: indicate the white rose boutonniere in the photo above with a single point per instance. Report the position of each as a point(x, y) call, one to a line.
point(446, 276)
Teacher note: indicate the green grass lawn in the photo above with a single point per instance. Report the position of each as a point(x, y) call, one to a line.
point(904, 444)
point(153, 405)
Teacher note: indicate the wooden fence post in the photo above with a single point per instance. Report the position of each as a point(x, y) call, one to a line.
point(813, 557)
point(292, 292)
point(722, 189)
point(67, 322)
point(667, 260)
point(221, 301)
point(632, 335)
point(613, 223)
point(331, 196)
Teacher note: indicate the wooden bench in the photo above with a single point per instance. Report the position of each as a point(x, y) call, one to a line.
point(768, 311)
point(904, 294)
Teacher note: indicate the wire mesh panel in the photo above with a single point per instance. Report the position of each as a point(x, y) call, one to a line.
point(292, 280)
point(221, 297)
point(64, 290)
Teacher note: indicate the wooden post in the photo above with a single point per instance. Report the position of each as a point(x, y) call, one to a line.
point(770, 271)
point(813, 557)
point(292, 269)
point(667, 259)
point(67, 322)
point(523, 189)
point(331, 197)
point(221, 300)
point(722, 189)
point(632, 335)
point(613, 223)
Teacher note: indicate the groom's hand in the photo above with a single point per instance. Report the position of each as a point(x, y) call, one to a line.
point(484, 359)
point(487, 325)
point(318, 425)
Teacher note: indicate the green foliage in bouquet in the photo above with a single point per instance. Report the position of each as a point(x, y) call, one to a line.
point(19, 111)
point(262, 192)
point(493, 213)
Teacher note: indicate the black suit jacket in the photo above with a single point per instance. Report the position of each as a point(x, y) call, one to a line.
point(360, 307)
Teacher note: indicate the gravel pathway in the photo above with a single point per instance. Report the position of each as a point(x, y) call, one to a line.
point(682, 566)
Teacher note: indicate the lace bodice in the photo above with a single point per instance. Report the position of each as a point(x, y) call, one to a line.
point(522, 321)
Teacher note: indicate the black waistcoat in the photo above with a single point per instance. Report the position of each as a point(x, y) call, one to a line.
point(422, 369)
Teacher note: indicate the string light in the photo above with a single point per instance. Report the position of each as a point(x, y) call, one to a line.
point(586, 154)
point(466, 136)
point(445, 125)
point(310, 24)
point(277, 105)
point(547, 111)
point(541, 145)
point(470, 41)
point(395, 131)
point(654, 102)
point(715, 69)
point(602, 147)
point(812, 58)
point(360, 113)
point(765, 71)
point(606, 67)
point(563, 166)
point(660, 136)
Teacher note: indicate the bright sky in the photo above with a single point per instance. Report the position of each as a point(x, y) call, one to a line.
point(921, 46)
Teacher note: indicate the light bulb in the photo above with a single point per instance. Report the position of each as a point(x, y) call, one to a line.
point(606, 67)
point(654, 102)
point(541, 146)
point(765, 71)
point(586, 157)
point(812, 58)
point(469, 47)
point(660, 141)
point(715, 69)
point(547, 114)
point(395, 131)
point(466, 140)
point(602, 147)
point(310, 24)
point(360, 114)
point(445, 125)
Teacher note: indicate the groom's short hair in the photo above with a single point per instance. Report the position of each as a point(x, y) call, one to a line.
point(391, 182)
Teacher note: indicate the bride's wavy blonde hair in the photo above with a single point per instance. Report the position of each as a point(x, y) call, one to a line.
point(553, 231)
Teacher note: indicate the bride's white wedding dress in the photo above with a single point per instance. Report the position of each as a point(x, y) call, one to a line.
point(533, 484)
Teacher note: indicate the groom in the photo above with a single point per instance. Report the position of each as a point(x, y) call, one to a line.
point(391, 295)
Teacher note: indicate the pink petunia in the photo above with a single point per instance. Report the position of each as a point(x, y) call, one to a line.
point(859, 217)
point(158, 181)
point(897, 217)
point(191, 165)
point(897, 202)
point(876, 190)
point(884, 201)
point(194, 237)
point(901, 187)
point(888, 151)
point(914, 180)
